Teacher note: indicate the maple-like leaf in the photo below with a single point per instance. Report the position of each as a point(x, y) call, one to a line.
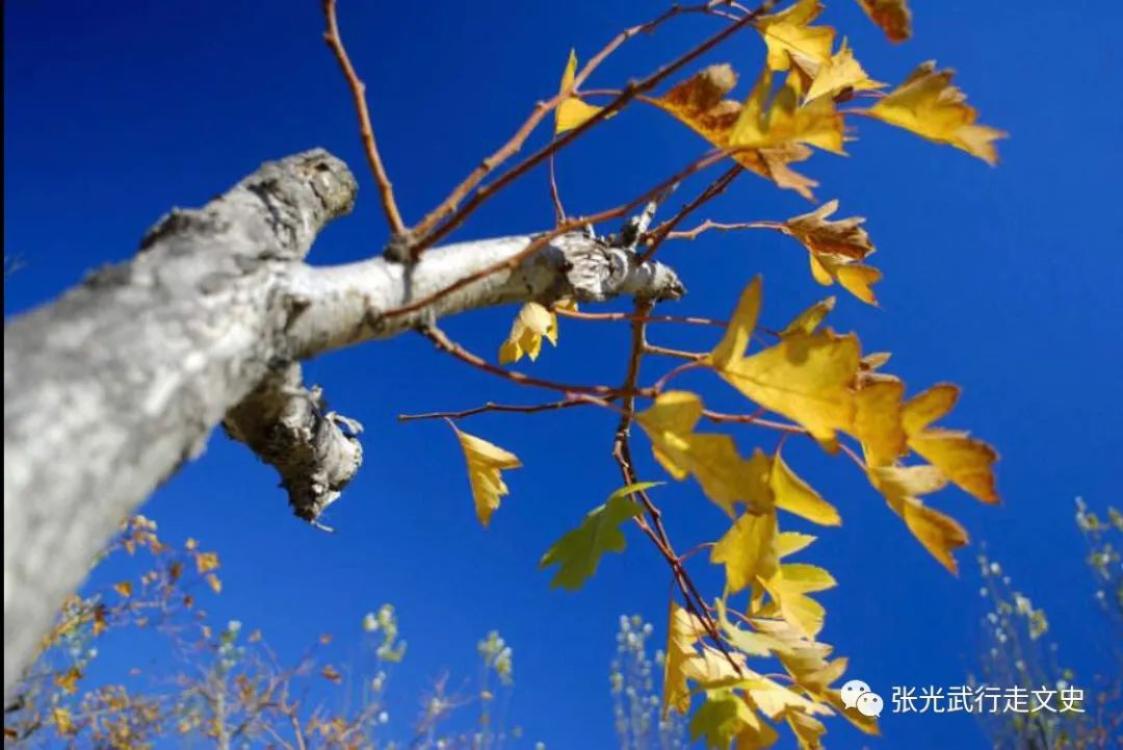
point(929, 105)
point(578, 553)
point(966, 461)
point(747, 551)
point(902, 487)
point(841, 75)
point(711, 458)
point(485, 462)
point(725, 717)
point(700, 103)
point(893, 16)
point(740, 328)
point(772, 122)
point(810, 319)
point(533, 323)
point(878, 415)
point(808, 730)
point(572, 112)
point(788, 587)
point(836, 249)
point(805, 377)
point(794, 495)
point(683, 631)
point(774, 699)
point(791, 39)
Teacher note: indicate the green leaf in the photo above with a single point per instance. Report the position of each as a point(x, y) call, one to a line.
point(578, 553)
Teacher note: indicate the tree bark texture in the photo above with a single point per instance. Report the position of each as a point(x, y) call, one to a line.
point(110, 388)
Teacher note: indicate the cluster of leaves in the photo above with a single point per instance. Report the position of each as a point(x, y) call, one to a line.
point(1018, 652)
point(222, 686)
point(817, 380)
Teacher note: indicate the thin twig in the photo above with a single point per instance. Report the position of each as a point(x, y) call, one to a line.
point(443, 343)
point(450, 204)
point(753, 419)
point(491, 406)
point(677, 353)
point(713, 190)
point(366, 129)
point(708, 225)
point(621, 316)
point(427, 237)
point(544, 239)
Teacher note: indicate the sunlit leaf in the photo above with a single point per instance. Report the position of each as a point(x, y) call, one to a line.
point(747, 551)
point(966, 461)
point(533, 323)
point(711, 458)
point(485, 462)
point(572, 112)
point(929, 105)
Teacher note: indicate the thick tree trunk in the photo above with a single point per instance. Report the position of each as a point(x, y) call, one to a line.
point(108, 390)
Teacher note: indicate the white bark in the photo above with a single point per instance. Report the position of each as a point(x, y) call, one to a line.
point(110, 388)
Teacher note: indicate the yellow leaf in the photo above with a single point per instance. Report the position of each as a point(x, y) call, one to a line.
point(790, 39)
point(967, 462)
point(711, 458)
point(810, 319)
point(796, 496)
point(790, 542)
point(941, 535)
point(788, 587)
point(784, 121)
point(711, 667)
point(893, 16)
point(700, 103)
point(836, 249)
point(855, 278)
point(925, 408)
point(805, 377)
point(844, 238)
point(878, 417)
point(747, 550)
point(572, 112)
point(740, 329)
point(774, 699)
point(808, 730)
point(803, 612)
point(68, 680)
point(206, 561)
point(841, 74)
point(806, 578)
point(683, 631)
point(929, 105)
point(533, 323)
point(123, 588)
point(214, 582)
point(485, 462)
point(62, 721)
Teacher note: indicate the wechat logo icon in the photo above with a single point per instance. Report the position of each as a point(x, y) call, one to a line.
point(857, 696)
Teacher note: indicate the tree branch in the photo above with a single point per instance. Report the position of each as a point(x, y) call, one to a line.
point(112, 387)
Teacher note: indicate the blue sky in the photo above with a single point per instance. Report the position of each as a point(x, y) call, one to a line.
point(1003, 280)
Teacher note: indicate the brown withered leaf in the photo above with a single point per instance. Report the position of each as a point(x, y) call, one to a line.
point(700, 103)
point(836, 249)
point(893, 16)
